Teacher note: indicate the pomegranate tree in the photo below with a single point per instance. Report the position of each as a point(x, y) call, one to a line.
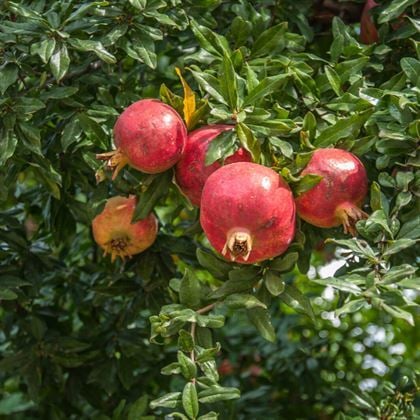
point(192, 171)
point(149, 135)
point(116, 235)
point(337, 198)
point(247, 212)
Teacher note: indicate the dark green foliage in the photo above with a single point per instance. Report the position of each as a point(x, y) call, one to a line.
point(83, 338)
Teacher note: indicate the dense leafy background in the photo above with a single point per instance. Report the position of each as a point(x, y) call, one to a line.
point(75, 333)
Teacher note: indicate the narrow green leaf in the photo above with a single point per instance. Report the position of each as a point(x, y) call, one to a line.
point(221, 147)
point(228, 83)
point(189, 292)
point(272, 39)
point(334, 80)
point(138, 408)
point(148, 199)
point(397, 312)
point(188, 367)
point(243, 301)
point(267, 86)
point(214, 265)
point(395, 9)
point(60, 62)
point(306, 183)
point(190, 400)
point(297, 300)
point(274, 283)
point(94, 46)
point(261, 320)
point(217, 393)
point(44, 49)
point(248, 141)
point(395, 247)
point(342, 129)
point(411, 68)
point(170, 400)
point(8, 76)
point(284, 263)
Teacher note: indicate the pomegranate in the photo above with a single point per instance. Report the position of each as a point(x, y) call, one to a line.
point(368, 32)
point(336, 198)
point(116, 235)
point(191, 170)
point(247, 212)
point(149, 135)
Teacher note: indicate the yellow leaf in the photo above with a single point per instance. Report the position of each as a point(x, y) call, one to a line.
point(189, 99)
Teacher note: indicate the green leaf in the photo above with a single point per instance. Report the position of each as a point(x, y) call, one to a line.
point(210, 84)
point(398, 273)
point(248, 141)
point(138, 408)
point(298, 301)
point(139, 4)
point(395, 247)
point(71, 133)
point(413, 283)
point(188, 367)
point(8, 75)
point(260, 317)
point(185, 341)
point(411, 68)
point(190, 400)
point(28, 105)
point(243, 300)
point(340, 284)
point(343, 128)
point(228, 83)
point(8, 142)
point(334, 80)
point(7, 294)
point(395, 9)
point(148, 199)
point(306, 183)
point(221, 147)
point(44, 49)
point(270, 40)
point(211, 415)
point(397, 312)
point(94, 46)
point(171, 369)
point(189, 292)
point(274, 283)
point(60, 62)
point(31, 137)
point(213, 43)
point(350, 307)
point(284, 263)
point(170, 400)
point(217, 393)
point(215, 266)
point(267, 86)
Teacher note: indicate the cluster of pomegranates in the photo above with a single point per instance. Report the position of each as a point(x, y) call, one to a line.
point(247, 210)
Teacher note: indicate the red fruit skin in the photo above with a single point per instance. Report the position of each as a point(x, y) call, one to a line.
point(151, 135)
point(191, 170)
point(343, 187)
point(368, 32)
point(251, 198)
point(114, 224)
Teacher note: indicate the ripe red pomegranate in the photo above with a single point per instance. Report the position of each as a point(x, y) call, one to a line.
point(337, 197)
point(116, 235)
point(368, 32)
point(149, 135)
point(191, 170)
point(247, 212)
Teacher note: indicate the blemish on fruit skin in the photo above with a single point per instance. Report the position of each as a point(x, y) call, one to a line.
point(265, 183)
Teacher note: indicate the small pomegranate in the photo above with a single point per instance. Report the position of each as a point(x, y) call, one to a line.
point(337, 197)
point(368, 32)
point(191, 170)
point(247, 212)
point(116, 235)
point(149, 135)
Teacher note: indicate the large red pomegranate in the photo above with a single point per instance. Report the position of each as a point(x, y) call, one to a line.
point(368, 32)
point(116, 235)
point(247, 212)
point(191, 170)
point(337, 198)
point(149, 135)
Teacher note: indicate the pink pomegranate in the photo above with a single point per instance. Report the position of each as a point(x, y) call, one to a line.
point(368, 32)
point(191, 170)
point(338, 196)
point(149, 135)
point(116, 235)
point(247, 212)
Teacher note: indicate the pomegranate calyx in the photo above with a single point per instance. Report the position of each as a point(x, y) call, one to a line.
point(238, 244)
point(349, 214)
point(115, 161)
point(117, 247)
